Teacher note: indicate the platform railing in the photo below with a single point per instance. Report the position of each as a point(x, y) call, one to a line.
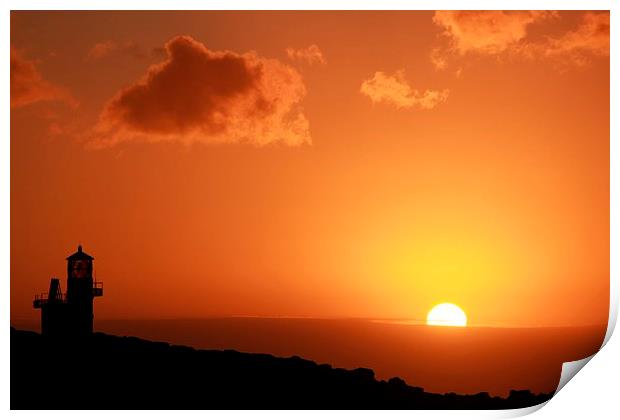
point(43, 298)
point(97, 288)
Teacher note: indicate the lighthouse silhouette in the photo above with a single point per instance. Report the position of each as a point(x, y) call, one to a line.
point(70, 314)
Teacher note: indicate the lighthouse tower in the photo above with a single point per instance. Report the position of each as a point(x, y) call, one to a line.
point(70, 314)
point(81, 292)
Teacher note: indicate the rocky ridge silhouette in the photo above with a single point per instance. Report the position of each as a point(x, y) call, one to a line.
point(110, 372)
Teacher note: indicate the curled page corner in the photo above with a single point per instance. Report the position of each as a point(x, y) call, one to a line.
point(570, 369)
point(613, 314)
point(520, 412)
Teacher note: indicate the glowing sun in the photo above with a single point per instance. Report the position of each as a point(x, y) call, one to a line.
point(446, 315)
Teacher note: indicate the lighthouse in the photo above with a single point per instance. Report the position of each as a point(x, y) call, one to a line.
point(70, 314)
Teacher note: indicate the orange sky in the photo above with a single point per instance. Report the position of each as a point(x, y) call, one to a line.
point(320, 164)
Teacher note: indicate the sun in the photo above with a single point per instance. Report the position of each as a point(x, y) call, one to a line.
point(446, 315)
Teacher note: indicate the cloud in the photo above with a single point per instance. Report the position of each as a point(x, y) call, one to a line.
point(499, 32)
point(487, 32)
point(590, 38)
point(309, 55)
point(28, 85)
point(395, 90)
point(108, 48)
point(101, 49)
point(438, 59)
point(200, 95)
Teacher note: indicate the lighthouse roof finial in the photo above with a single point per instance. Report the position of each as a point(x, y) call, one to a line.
point(80, 255)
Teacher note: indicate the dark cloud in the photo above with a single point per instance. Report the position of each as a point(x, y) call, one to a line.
point(200, 95)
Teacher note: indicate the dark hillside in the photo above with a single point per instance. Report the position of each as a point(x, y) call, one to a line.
point(109, 372)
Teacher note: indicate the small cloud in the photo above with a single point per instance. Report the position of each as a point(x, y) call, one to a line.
point(28, 85)
point(206, 96)
point(100, 50)
point(438, 59)
point(107, 48)
point(395, 90)
point(309, 55)
point(55, 129)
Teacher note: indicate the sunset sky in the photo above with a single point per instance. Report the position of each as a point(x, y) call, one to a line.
point(315, 164)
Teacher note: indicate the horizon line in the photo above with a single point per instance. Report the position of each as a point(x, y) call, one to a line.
point(414, 322)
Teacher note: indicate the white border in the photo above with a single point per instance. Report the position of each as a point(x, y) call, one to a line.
point(310, 5)
point(596, 385)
